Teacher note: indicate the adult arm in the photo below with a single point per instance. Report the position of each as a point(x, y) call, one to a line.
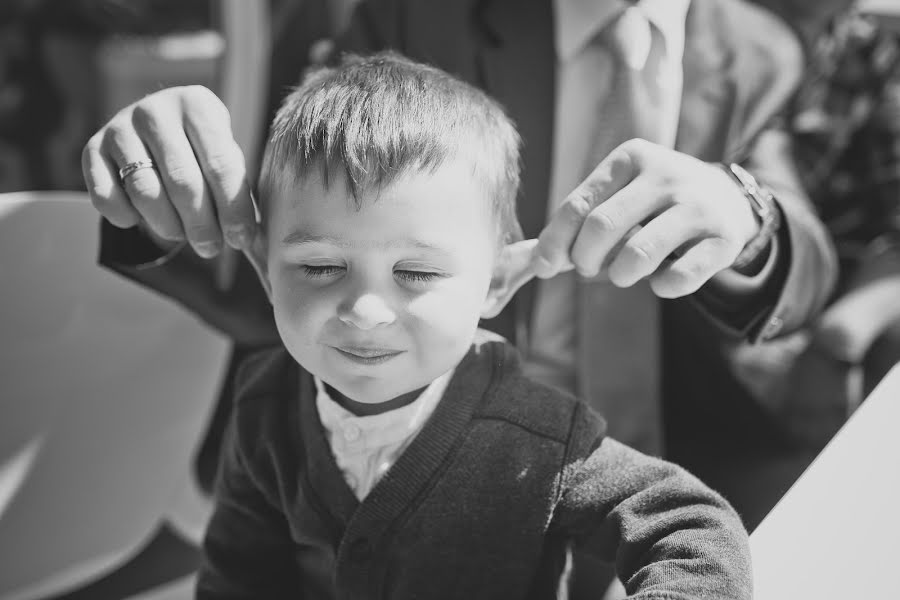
point(648, 212)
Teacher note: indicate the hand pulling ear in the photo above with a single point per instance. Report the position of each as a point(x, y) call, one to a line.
point(514, 269)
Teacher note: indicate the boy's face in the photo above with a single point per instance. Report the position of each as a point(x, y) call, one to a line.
point(380, 300)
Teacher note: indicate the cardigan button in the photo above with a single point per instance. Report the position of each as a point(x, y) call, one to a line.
point(360, 550)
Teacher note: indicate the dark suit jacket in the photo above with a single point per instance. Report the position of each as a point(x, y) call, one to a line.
point(741, 66)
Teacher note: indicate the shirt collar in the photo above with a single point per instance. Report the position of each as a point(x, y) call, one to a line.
point(577, 21)
point(382, 429)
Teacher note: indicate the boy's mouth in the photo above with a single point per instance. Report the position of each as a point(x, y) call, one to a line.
point(367, 355)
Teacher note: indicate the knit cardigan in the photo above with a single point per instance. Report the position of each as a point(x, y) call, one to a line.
point(502, 482)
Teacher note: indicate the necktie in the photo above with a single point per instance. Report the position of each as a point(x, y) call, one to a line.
point(618, 330)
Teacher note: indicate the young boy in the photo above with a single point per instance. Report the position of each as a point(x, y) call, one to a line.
point(394, 450)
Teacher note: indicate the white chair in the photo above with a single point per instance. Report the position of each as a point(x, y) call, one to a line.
point(105, 390)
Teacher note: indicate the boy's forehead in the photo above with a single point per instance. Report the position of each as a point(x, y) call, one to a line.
point(301, 236)
point(454, 182)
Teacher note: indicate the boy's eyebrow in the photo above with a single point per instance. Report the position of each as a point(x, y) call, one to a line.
point(300, 237)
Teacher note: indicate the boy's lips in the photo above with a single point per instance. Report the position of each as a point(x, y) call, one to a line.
point(367, 355)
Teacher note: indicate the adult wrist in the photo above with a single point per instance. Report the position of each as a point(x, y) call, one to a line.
point(765, 210)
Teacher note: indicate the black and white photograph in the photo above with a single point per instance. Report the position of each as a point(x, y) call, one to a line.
point(449, 299)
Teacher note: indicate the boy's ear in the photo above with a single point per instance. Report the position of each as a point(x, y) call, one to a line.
point(257, 253)
point(512, 270)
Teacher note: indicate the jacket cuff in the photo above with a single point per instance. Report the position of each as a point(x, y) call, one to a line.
point(739, 302)
point(133, 248)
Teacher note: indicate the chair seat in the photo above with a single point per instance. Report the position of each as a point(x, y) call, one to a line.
point(105, 390)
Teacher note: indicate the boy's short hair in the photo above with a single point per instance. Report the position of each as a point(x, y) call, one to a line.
point(378, 117)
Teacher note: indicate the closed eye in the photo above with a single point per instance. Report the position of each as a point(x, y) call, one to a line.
point(417, 276)
point(321, 271)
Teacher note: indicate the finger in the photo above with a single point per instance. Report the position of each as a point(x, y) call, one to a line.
point(222, 164)
point(180, 173)
point(646, 250)
point(694, 268)
point(102, 181)
point(122, 145)
point(555, 242)
point(612, 221)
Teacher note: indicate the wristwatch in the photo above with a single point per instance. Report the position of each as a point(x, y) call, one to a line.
point(768, 216)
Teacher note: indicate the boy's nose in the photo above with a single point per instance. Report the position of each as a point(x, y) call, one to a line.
point(366, 311)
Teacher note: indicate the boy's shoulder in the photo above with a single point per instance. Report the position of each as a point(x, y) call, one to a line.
point(266, 372)
point(266, 386)
point(529, 404)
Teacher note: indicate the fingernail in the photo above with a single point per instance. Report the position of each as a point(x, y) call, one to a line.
point(238, 237)
point(207, 249)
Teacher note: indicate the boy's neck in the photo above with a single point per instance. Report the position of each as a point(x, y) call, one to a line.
point(366, 409)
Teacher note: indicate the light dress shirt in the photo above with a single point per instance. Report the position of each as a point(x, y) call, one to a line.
point(585, 71)
point(365, 447)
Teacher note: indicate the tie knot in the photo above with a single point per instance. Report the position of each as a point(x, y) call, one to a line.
point(630, 36)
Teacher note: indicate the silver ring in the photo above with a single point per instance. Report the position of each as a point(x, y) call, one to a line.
point(132, 167)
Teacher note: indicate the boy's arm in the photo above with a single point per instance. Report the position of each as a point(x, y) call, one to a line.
point(668, 534)
point(247, 551)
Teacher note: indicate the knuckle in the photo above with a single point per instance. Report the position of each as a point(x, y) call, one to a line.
point(144, 118)
point(185, 183)
point(114, 140)
point(143, 186)
point(691, 212)
point(200, 99)
point(91, 147)
point(634, 146)
point(600, 221)
point(699, 268)
point(225, 164)
point(576, 207)
point(638, 251)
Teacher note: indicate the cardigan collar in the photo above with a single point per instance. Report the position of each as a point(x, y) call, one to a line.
point(471, 385)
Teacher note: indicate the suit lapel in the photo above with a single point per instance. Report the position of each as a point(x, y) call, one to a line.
point(709, 94)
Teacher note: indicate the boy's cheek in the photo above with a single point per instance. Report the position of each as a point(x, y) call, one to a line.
point(452, 309)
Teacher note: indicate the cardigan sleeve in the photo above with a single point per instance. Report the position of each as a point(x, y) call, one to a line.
point(669, 535)
point(247, 551)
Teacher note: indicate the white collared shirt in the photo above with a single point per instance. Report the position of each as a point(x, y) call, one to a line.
point(365, 447)
point(551, 357)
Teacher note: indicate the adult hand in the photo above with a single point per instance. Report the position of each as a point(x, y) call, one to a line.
point(198, 189)
point(641, 204)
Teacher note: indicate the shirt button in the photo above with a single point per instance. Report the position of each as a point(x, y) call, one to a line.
point(351, 433)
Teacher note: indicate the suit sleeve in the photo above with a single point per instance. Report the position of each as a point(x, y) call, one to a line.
point(786, 294)
point(668, 534)
point(247, 551)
